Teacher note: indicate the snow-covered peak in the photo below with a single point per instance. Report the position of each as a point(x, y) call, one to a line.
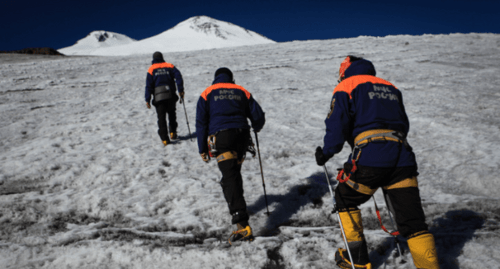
point(109, 37)
point(196, 33)
point(96, 40)
point(213, 27)
point(207, 25)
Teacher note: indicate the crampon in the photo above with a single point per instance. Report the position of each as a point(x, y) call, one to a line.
point(342, 260)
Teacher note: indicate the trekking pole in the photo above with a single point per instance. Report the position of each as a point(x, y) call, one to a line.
point(338, 216)
point(261, 172)
point(185, 113)
point(395, 233)
point(391, 212)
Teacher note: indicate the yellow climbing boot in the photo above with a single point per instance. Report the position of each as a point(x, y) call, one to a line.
point(242, 234)
point(423, 251)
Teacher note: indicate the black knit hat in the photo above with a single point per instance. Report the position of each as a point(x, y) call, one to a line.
point(224, 70)
point(158, 55)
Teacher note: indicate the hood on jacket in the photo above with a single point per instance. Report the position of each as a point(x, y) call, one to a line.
point(222, 78)
point(360, 67)
point(223, 75)
point(156, 61)
point(353, 66)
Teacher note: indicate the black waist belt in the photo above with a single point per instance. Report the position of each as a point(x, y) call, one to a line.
point(163, 93)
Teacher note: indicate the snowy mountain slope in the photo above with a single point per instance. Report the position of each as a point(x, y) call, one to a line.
point(196, 33)
point(86, 183)
point(96, 40)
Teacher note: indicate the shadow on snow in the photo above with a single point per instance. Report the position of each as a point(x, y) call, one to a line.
point(289, 204)
point(451, 232)
point(191, 137)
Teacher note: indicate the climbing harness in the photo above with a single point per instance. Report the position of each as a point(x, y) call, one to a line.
point(361, 141)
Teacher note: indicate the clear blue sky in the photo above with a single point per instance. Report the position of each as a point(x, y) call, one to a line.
point(59, 24)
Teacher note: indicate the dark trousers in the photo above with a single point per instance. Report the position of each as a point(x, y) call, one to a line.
point(162, 109)
point(409, 215)
point(232, 182)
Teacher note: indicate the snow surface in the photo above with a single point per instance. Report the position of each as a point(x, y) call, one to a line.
point(86, 183)
point(196, 33)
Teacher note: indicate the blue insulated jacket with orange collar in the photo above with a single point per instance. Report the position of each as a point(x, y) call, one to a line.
point(161, 73)
point(225, 105)
point(362, 103)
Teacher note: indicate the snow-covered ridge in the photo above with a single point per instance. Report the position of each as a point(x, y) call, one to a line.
point(110, 38)
point(96, 40)
point(220, 29)
point(196, 33)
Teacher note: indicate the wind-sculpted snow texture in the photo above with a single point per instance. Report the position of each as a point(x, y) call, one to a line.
point(86, 183)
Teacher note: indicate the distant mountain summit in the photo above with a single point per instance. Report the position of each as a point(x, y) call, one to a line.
point(196, 33)
point(105, 38)
point(220, 29)
point(95, 41)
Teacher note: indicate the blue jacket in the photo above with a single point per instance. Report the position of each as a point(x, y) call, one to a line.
point(225, 105)
point(363, 102)
point(161, 73)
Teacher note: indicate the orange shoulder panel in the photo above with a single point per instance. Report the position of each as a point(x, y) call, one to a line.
point(208, 90)
point(349, 84)
point(159, 65)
